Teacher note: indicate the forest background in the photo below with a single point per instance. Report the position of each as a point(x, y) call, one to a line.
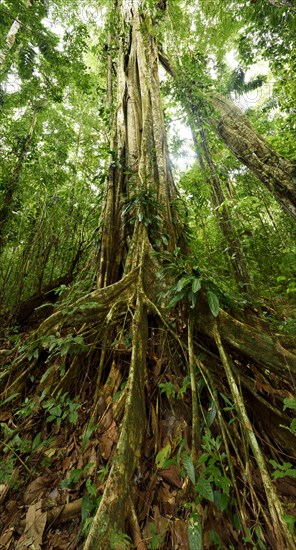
point(147, 267)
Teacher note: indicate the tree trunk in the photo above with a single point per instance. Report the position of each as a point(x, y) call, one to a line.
point(235, 252)
point(13, 181)
point(133, 336)
point(11, 36)
point(275, 172)
point(137, 208)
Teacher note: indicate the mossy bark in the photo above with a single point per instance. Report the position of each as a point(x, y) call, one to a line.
point(274, 171)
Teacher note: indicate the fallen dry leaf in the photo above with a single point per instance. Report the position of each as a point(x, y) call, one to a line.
point(35, 525)
point(179, 532)
point(108, 439)
point(5, 538)
point(36, 488)
point(167, 499)
point(5, 415)
point(172, 476)
point(4, 488)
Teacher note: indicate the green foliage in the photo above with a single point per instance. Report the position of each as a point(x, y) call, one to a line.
point(283, 470)
point(120, 541)
point(195, 531)
point(6, 470)
point(189, 467)
point(155, 540)
point(61, 408)
point(75, 476)
point(213, 301)
point(143, 206)
point(253, 538)
point(168, 388)
point(213, 484)
point(162, 459)
point(290, 403)
point(86, 435)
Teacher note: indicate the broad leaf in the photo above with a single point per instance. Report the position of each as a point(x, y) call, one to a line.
point(213, 302)
point(204, 489)
point(195, 532)
point(196, 285)
point(189, 467)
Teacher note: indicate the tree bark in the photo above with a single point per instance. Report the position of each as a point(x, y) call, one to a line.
point(275, 172)
point(235, 251)
point(11, 36)
point(12, 184)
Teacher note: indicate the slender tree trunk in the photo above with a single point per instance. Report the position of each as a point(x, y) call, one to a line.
point(9, 40)
point(275, 172)
point(235, 252)
point(11, 37)
point(12, 184)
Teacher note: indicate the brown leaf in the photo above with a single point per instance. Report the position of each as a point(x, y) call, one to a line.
point(106, 420)
point(6, 537)
point(172, 476)
point(35, 525)
point(108, 439)
point(36, 488)
point(179, 532)
point(5, 415)
point(66, 464)
point(167, 499)
point(161, 523)
point(4, 488)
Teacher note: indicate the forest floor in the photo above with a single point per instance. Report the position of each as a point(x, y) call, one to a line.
point(60, 439)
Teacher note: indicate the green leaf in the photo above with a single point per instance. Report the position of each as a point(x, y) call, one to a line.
point(290, 520)
point(204, 489)
point(192, 299)
point(162, 456)
point(73, 417)
point(182, 283)
point(176, 299)
point(215, 538)
point(211, 414)
point(213, 302)
point(204, 457)
point(36, 441)
point(289, 403)
point(86, 507)
point(196, 285)
point(87, 435)
point(56, 411)
point(195, 532)
point(189, 467)
point(91, 488)
point(8, 399)
point(221, 500)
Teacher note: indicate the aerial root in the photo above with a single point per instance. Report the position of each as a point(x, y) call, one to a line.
point(280, 529)
point(135, 529)
point(112, 511)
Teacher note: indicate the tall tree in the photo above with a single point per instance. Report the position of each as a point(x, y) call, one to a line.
point(121, 349)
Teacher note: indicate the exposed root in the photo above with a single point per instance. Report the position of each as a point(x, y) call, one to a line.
point(112, 511)
point(170, 423)
point(280, 528)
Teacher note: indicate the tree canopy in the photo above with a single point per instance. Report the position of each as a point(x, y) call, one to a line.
point(147, 267)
